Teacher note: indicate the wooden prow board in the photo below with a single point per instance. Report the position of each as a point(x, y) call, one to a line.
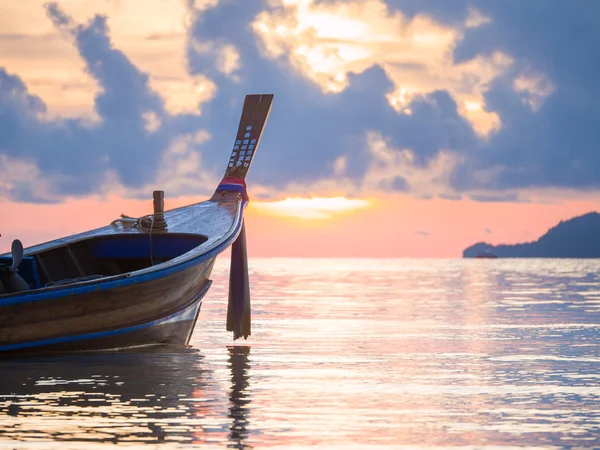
point(254, 117)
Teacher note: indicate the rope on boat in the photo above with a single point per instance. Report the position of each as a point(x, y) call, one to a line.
point(150, 238)
point(149, 223)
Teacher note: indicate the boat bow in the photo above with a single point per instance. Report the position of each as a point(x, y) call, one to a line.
point(252, 122)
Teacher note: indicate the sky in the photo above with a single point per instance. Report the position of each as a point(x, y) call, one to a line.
point(399, 128)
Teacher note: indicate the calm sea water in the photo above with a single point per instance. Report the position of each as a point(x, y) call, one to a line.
point(344, 353)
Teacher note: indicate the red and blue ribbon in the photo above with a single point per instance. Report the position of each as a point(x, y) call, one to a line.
point(233, 184)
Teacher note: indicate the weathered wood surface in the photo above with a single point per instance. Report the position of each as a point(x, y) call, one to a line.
point(214, 219)
point(102, 310)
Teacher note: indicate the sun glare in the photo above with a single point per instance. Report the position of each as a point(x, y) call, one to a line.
point(311, 208)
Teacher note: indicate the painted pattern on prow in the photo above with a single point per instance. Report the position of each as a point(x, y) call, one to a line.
point(254, 117)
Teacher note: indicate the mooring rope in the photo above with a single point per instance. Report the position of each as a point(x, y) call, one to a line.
point(147, 223)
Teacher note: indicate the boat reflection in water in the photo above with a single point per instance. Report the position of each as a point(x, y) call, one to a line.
point(159, 396)
point(239, 397)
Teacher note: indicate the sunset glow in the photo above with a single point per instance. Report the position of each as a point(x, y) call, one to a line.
point(311, 208)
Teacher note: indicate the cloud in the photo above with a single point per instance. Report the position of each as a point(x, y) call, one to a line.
point(126, 145)
point(52, 70)
point(472, 99)
point(397, 183)
point(450, 196)
point(326, 41)
point(422, 233)
point(532, 98)
point(399, 169)
point(153, 38)
point(548, 107)
point(504, 197)
point(22, 179)
point(315, 138)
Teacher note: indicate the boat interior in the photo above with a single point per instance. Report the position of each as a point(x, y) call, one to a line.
point(98, 257)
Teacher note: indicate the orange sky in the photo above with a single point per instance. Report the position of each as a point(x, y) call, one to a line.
point(391, 226)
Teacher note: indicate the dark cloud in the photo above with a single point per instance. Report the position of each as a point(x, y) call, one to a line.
point(308, 130)
point(454, 197)
point(422, 233)
point(496, 198)
point(452, 12)
point(558, 144)
point(553, 146)
point(399, 184)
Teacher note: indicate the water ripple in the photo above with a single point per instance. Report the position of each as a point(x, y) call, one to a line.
point(346, 353)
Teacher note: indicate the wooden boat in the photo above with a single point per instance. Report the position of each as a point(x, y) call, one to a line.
point(135, 282)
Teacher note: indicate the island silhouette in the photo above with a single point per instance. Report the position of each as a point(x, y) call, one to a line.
point(578, 237)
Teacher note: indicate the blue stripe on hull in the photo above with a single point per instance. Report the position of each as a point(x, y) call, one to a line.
point(188, 314)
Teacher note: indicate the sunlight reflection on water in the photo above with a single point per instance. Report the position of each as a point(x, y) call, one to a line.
point(347, 353)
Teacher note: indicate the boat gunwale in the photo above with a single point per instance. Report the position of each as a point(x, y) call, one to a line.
point(164, 269)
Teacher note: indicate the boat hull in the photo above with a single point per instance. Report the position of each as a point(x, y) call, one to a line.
point(176, 329)
point(159, 311)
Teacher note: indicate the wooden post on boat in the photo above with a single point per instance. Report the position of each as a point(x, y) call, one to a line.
point(159, 211)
